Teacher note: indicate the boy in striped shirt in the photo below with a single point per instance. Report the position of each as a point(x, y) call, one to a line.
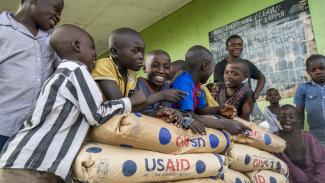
point(70, 101)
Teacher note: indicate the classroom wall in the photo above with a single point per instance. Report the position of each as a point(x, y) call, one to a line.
point(190, 24)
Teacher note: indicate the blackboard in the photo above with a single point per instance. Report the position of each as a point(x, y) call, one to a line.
point(277, 39)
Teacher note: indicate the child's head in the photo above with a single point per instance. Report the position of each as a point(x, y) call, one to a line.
point(288, 118)
point(73, 43)
point(44, 14)
point(157, 67)
point(315, 65)
point(177, 66)
point(234, 46)
point(273, 96)
point(127, 47)
point(200, 60)
point(235, 73)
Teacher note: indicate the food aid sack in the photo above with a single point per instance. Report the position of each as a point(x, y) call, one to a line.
point(107, 163)
point(266, 176)
point(248, 158)
point(148, 133)
point(260, 138)
point(201, 180)
point(232, 176)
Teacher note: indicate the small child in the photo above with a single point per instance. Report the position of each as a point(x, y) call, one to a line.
point(117, 75)
point(272, 111)
point(26, 60)
point(303, 154)
point(156, 88)
point(70, 101)
point(233, 91)
point(199, 67)
point(311, 95)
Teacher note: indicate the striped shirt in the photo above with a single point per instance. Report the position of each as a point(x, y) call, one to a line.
point(69, 103)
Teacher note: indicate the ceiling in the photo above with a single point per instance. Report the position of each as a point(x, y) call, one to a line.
point(100, 17)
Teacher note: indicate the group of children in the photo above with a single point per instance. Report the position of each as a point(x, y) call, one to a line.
point(41, 138)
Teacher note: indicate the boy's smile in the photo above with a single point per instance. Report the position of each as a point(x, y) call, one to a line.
point(288, 119)
point(233, 76)
point(158, 69)
point(235, 47)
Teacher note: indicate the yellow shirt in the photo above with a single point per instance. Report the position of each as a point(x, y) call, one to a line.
point(106, 69)
point(211, 102)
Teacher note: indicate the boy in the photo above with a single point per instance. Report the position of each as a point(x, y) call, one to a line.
point(304, 154)
point(311, 95)
point(234, 46)
point(117, 75)
point(273, 110)
point(199, 67)
point(69, 103)
point(156, 88)
point(26, 60)
point(233, 91)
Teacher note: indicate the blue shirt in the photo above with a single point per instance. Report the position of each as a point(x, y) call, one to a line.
point(195, 96)
point(312, 96)
point(26, 61)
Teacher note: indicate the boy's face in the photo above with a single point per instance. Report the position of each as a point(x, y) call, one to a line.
point(46, 13)
point(158, 69)
point(207, 71)
point(235, 47)
point(288, 119)
point(273, 96)
point(316, 70)
point(87, 52)
point(233, 75)
point(131, 54)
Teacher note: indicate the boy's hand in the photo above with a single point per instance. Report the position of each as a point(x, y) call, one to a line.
point(137, 98)
point(197, 127)
point(235, 127)
point(169, 115)
point(228, 111)
point(172, 95)
point(213, 89)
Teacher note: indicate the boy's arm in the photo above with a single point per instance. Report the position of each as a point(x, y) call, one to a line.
point(110, 89)
point(247, 108)
point(232, 126)
point(259, 76)
point(259, 86)
point(86, 95)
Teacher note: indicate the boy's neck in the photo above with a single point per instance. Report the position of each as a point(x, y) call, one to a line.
point(274, 105)
point(21, 17)
point(320, 84)
point(122, 70)
point(194, 75)
point(229, 58)
point(153, 86)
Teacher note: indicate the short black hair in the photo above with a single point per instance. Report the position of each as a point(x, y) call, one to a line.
point(22, 1)
point(196, 54)
point(288, 106)
point(243, 63)
point(118, 37)
point(314, 57)
point(234, 36)
point(271, 89)
point(158, 52)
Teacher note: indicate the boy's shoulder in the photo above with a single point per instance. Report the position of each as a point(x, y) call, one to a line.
point(69, 65)
point(183, 77)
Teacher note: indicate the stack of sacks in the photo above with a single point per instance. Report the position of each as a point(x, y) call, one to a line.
point(148, 133)
point(101, 161)
point(258, 165)
point(107, 163)
point(260, 138)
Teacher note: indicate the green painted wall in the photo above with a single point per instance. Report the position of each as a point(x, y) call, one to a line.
point(190, 24)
